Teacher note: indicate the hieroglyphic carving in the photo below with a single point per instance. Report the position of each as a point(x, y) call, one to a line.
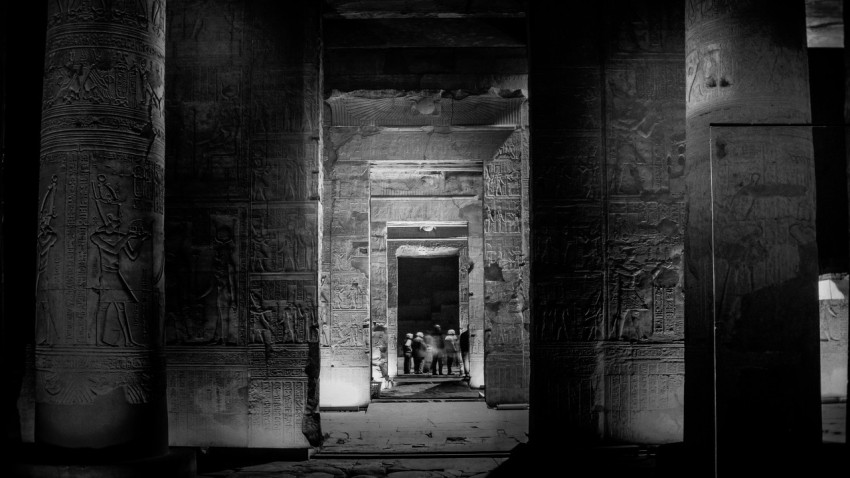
point(46, 331)
point(113, 243)
point(424, 145)
point(351, 255)
point(349, 329)
point(502, 216)
point(209, 302)
point(143, 15)
point(502, 178)
point(349, 181)
point(350, 218)
point(763, 186)
point(646, 28)
point(278, 361)
point(283, 102)
point(424, 209)
point(505, 251)
point(78, 374)
point(570, 309)
point(733, 58)
point(280, 170)
point(282, 311)
point(569, 239)
point(569, 168)
point(349, 291)
point(645, 257)
point(276, 411)
point(645, 128)
point(424, 183)
point(644, 384)
point(283, 239)
point(574, 392)
point(211, 387)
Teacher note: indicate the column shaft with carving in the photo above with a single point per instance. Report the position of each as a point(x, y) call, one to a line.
point(99, 362)
point(751, 255)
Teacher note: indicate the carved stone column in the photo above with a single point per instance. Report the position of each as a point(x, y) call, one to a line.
point(99, 359)
point(751, 256)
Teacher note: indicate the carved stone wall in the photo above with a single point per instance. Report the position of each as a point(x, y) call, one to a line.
point(346, 339)
point(242, 223)
point(833, 336)
point(506, 304)
point(428, 151)
point(608, 222)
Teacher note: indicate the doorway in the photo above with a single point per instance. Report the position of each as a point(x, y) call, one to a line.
point(427, 297)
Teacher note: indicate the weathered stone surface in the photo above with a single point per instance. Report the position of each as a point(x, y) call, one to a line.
point(609, 215)
point(751, 266)
point(833, 336)
point(243, 122)
point(824, 24)
point(98, 355)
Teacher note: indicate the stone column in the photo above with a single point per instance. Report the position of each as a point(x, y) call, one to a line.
point(751, 256)
point(99, 358)
point(846, 15)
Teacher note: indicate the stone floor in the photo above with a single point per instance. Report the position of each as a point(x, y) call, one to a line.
point(424, 427)
point(433, 439)
point(834, 422)
point(429, 387)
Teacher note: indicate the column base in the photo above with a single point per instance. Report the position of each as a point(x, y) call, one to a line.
point(177, 463)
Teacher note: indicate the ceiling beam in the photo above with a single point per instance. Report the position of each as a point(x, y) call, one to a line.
point(400, 9)
point(425, 33)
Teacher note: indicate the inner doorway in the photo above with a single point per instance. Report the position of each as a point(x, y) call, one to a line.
point(428, 297)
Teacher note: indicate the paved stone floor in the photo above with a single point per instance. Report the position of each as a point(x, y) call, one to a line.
point(424, 427)
point(834, 422)
point(431, 387)
point(365, 468)
point(431, 439)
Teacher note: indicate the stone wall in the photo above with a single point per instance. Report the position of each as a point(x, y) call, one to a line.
point(608, 221)
point(242, 223)
point(833, 337)
point(427, 168)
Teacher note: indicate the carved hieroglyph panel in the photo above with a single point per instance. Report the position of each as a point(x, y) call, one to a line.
point(569, 309)
point(353, 144)
point(645, 270)
point(243, 143)
point(644, 392)
point(569, 239)
point(645, 128)
point(573, 390)
point(208, 401)
point(568, 168)
point(646, 28)
point(281, 170)
point(402, 182)
point(283, 239)
point(735, 58)
point(506, 305)
point(99, 290)
point(282, 311)
point(765, 271)
point(207, 252)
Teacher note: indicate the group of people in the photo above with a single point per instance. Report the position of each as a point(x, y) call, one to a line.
point(434, 349)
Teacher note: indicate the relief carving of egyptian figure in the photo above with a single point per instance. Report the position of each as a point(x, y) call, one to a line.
point(114, 291)
point(223, 285)
point(46, 330)
point(261, 330)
